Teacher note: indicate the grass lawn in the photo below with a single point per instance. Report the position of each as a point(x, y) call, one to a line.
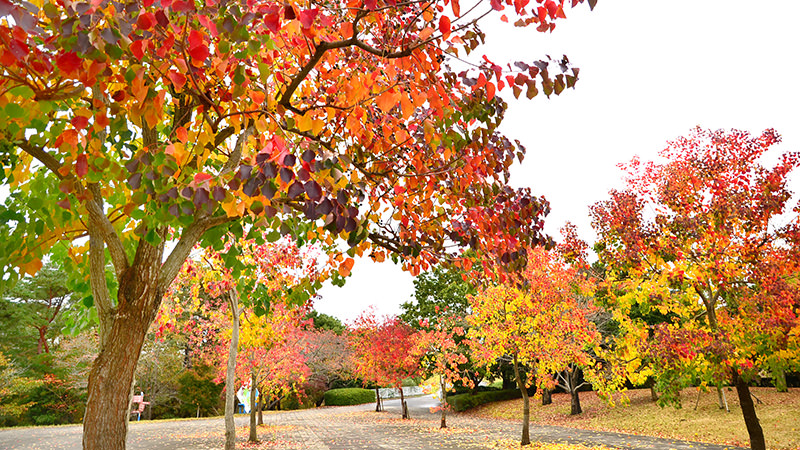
point(779, 415)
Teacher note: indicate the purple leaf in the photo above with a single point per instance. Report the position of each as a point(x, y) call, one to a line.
point(313, 190)
point(287, 175)
point(135, 181)
point(308, 155)
point(295, 190)
point(219, 193)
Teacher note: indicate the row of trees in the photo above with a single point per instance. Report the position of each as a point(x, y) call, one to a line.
point(702, 292)
point(697, 284)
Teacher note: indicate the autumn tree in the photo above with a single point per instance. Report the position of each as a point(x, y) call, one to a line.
point(271, 274)
point(140, 124)
point(535, 321)
point(703, 237)
point(384, 353)
point(271, 356)
point(441, 297)
point(443, 353)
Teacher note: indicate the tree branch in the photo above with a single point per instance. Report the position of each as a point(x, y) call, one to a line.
point(100, 223)
point(190, 236)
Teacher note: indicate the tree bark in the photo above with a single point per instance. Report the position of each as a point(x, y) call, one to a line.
point(575, 403)
point(41, 346)
point(230, 376)
point(722, 400)
point(526, 405)
point(253, 433)
point(653, 393)
point(443, 386)
point(106, 419)
point(779, 380)
point(105, 424)
point(757, 441)
point(547, 397)
point(377, 400)
point(403, 406)
point(260, 408)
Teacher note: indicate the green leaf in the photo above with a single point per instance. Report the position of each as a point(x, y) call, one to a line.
point(16, 111)
point(22, 91)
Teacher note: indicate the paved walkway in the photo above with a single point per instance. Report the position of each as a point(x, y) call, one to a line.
point(341, 428)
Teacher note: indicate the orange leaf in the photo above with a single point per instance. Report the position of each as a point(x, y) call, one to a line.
point(456, 8)
point(490, 89)
point(387, 101)
point(346, 267)
point(347, 30)
point(31, 267)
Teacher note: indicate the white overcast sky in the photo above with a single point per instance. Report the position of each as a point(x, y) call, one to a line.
point(650, 71)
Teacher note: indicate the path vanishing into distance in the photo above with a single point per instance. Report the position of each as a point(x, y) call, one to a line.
point(340, 428)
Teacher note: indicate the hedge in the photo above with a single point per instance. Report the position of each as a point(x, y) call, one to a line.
point(349, 396)
point(463, 402)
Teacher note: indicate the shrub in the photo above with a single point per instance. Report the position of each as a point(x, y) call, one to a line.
point(349, 396)
point(463, 402)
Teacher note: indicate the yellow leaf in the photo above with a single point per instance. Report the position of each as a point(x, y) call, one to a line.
point(317, 126)
point(304, 122)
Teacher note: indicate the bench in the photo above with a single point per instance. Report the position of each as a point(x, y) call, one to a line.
point(138, 405)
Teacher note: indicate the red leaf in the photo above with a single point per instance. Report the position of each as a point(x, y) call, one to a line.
point(64, 203)
point(444, 26)
point(273, 21)
point(307, 17)
point(138, 48)
point(178, 79)
point(146, 21)
point(456, 8)
point(18, 49)
point(68, 62)
point(195, 39)
point(81, 165)
point(199, 53)
point(496, 5)
point(79, 122)
point(182, 6)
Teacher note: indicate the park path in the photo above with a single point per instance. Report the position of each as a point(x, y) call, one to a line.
point(341, 428)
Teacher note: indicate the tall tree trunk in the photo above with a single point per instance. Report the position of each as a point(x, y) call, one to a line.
point(526, 405)
point(403, 406)
point(253, 433)
point(547, 397)
point(779, 380)
point(443, 386)
point(757, 441)
point(230, 376)
point(722, 400)
point(105, 424)
point(575, 403)
point(651, 383)
point(260, 407)
point(377, 399)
